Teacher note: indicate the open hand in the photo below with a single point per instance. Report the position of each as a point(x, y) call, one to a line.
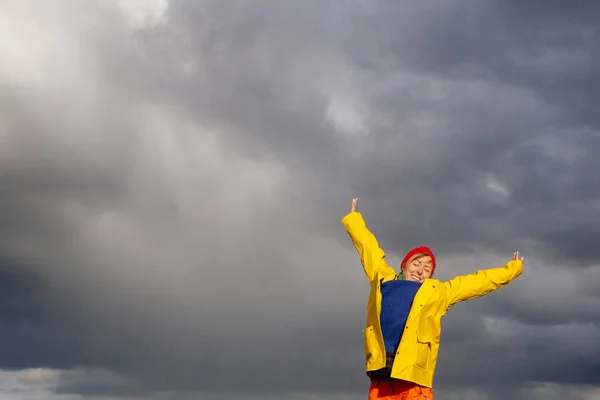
point(516, 256)
point(353, 204)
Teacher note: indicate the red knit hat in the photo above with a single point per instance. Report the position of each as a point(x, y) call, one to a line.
point(417, 250)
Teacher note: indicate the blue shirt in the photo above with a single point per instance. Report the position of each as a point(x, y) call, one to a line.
point(397, 298)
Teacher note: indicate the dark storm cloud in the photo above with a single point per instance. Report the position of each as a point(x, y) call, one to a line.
point(19, 294)
point(517, 123)
point(32, 334)
point(496, 120)
point(213, 259)
point(503, 350)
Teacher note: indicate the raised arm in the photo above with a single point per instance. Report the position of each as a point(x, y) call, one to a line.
point(371, 255)
point(482, 282)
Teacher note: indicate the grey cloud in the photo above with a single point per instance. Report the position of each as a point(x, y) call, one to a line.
point(32, 334)
point(468, 137)
point(183, 216)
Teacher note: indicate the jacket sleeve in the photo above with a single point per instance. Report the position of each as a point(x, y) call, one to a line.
point(371, 255)
point(481, 283)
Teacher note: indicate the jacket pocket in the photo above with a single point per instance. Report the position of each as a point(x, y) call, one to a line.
point(371, 344)
point(423, 351)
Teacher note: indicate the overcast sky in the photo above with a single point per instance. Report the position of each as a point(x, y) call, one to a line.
point(173, 174)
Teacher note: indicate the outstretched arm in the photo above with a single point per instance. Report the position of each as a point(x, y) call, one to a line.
point(371, 255)
point(482, 282)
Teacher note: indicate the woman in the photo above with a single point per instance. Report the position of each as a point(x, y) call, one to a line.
point(404, 312)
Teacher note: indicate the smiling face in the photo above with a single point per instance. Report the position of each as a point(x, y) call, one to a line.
point(418, 268)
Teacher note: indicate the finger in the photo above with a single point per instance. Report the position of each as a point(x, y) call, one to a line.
point(516, 256)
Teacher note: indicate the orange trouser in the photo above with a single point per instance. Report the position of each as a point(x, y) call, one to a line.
point(395, 389)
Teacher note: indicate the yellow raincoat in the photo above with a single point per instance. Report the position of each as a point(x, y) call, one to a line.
point(418, 348)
